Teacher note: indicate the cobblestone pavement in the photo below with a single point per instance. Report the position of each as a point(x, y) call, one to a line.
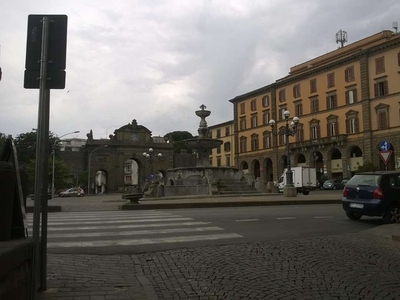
point(353, 266)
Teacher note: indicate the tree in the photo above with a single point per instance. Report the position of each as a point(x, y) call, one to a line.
point(178, 139)
point(61, 173)
point(367, 167)
point(26, 145)
point(3, 138)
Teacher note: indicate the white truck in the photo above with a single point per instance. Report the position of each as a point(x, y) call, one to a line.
point(304, 179)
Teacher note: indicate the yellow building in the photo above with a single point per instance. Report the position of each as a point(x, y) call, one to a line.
point(348, 102)
point(223, 156)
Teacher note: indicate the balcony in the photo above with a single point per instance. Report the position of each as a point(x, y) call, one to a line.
point(320, 143)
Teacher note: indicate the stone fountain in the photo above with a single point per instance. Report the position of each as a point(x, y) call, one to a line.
point(203, 144)
point(203, 178)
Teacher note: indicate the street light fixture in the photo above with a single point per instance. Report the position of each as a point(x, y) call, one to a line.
point(288, 130)
point(90, 155)
point(54, 158)
point(149, 158)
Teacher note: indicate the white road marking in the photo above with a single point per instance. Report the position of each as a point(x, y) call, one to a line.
point(138, 232)
point(136, 242)
point(60, 221)
point(323, 217)
point(124, 226)
point(120, 221)
point(247, 220)
point(286, 218)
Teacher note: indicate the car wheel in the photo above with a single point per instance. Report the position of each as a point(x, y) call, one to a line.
point(392, 215)
point(334, 187)
point(306, 192)
point(353, 216)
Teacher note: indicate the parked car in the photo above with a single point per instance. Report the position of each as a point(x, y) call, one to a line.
point(344, 181)
point(373, 194)
point(332, 184)
point(72, 192)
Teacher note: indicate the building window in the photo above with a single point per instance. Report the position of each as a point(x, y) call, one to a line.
point(210, 134)
point(313, 85)
point(265, 101)
point(331, 80)
point(282, 109)
point(218, 161)
point(331, 101)
point(267, 140)
point(314, 105)
point(298, 109)
point(227, 147)
point(381, 89)
point(379, 65)
point(332, 127)
point(243, 147)
point(351, 96)
point(349, 74)
point(282, 137)
point(227, 131)
point(242, 110)
point(266, 117)
point(242, 124)
point(351, 123)
point(299, 136)
point(253, 105)
point(219, 150)
point(282, 95)
point(128, 168)
point(314, 131)
point(218, 133)
point(227, 161)
point(253, 121)
point(296, 91)
point(254, 142)
point(128, 179)
point(398, 58)
point(382, 115)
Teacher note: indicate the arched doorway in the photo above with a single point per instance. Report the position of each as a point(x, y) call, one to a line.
point(268, 170)
point(356, 159)
point(336, 165)
point(318, 162)
point(131, 172)
point(299, 160)
point(100, 182)
point(256, 169)
point(244, 167)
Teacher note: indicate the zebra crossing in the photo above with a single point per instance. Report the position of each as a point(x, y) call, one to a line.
point(126, 228)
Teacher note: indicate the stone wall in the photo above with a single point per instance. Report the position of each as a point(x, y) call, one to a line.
point(15, 270)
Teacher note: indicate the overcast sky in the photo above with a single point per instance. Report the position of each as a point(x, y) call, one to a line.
point(157, 61)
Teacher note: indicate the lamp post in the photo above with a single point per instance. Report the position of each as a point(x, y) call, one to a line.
point(90, 155)
point(54, 158)
point(149, 159)
point(288, 130)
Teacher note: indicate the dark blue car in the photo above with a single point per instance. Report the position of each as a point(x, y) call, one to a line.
point(373, 194)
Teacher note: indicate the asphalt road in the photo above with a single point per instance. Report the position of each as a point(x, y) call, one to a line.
point(112, 232)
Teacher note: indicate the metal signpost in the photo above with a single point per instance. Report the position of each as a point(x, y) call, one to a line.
point(45, 65)
point(385, 152)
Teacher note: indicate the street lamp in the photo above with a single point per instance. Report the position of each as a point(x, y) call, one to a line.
point(90, 155)
point(149, 158)
point(54, 158)
point(288, 130)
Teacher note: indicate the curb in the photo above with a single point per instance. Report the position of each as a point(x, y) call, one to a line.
point(133, 206)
